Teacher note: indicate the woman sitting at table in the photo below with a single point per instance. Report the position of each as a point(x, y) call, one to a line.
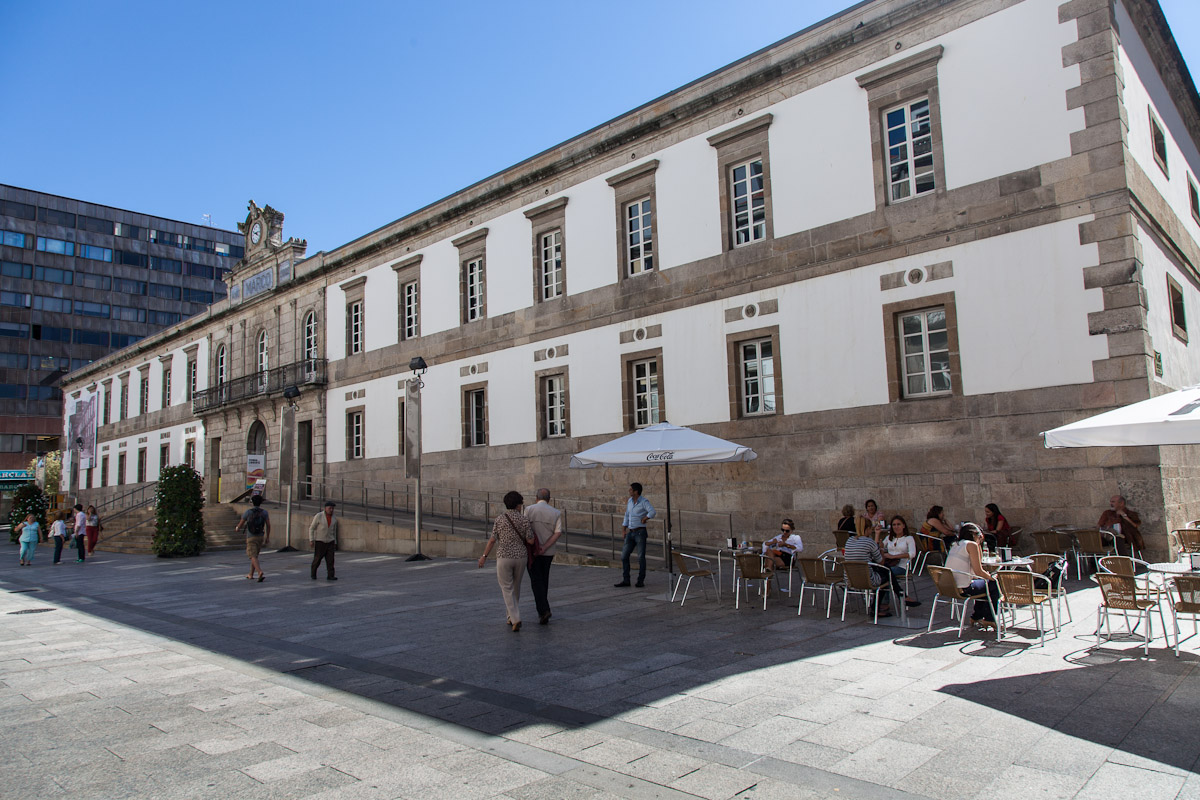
point(784, 546)
point(935, 525)
point(966, 559)
point(871, 523)
point(848, 522)
point(999, 532)
point(899, 548)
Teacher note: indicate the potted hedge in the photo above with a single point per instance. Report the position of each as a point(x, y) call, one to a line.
point(178, 517)
point(29, 499)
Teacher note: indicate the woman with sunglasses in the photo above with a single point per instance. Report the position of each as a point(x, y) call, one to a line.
point(784, 546)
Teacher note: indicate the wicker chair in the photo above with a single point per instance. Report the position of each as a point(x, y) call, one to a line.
point(1052, 542)
point(814, 576)
point(1020, 589)
point(840, 538)
point(949, 592)
point(928, 547)
point(1043, 562)
point(1120, 593)
point(690, 570)
point(1185, 601)
point(1125, 565)
point(751, 567)
point(1092, 544)
point(1186, 540)
point(858, 581)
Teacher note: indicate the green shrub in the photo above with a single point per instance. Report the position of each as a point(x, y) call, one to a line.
point(29, 499)
point(179, 518)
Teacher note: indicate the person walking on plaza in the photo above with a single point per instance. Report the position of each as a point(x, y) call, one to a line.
point(547, 526)
point(512, 536)
point(322, 532)
point(257, 523)
point(80, 538)
point(58, 532)
point(30, 534)
point(93, 529)
point(637, 511)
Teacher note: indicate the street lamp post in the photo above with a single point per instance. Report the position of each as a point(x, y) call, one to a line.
point(286, 446)
point(412, 433)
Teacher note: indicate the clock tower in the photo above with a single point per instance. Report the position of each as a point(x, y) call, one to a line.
point(269, 261)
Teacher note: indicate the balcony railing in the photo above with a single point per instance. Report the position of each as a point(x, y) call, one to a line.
point(310, 372)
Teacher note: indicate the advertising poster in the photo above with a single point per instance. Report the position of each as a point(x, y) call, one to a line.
point(256, 468)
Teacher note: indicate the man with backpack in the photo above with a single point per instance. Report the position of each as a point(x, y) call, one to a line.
point(257, 523)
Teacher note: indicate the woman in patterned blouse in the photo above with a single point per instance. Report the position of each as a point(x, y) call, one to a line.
point(512, 536)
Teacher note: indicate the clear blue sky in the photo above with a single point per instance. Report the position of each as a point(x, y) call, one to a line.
point(346, 116)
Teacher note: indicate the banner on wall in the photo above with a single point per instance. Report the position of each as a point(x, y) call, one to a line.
point(82, 430)
point(256, 468)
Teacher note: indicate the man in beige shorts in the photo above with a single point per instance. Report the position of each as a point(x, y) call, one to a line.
point(257, 523)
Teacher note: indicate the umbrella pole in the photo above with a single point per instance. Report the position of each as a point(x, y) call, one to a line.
point(667, 531)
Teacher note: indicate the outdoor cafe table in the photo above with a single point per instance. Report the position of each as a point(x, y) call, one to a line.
point(1020, 562)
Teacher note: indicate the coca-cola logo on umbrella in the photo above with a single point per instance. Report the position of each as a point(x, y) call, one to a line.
point(665, 455)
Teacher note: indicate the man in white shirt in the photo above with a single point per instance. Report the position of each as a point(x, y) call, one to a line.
point(80, 532)
point(547, 526)
point(783, 547)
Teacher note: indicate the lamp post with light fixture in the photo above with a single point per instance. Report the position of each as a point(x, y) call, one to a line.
point(287, 438)
point(412, 433)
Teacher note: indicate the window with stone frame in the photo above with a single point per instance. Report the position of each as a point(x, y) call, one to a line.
point(106, 404)
point(475, 415)
point(472, 254)
point(191, 379)
point(311, 347)
point(141, 465)
point(355, 433)
point(1158, 142)
point(1193, 198)
point(636, 215)
point(921, 343)
point(124, 404)
point(144, 392)
point(166, 387)
point(554, 416)
point(189, 453)
point(906, 127)
point(1178, 313)
point(164, 456)
point(263, 354)
point(644, 397)
point(355, 292)
point(743, 161)
point(222, 373)
point(122, 467)
point(755, 382)
point(408, 277)
point(548, 223)
point(103, 471)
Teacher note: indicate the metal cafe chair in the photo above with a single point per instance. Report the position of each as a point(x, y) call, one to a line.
point(690, 570)
point(949, 592)
point(814, 577)
point(858, 581)
point(752, 567)
point(1021, 589)
point(1120, 593)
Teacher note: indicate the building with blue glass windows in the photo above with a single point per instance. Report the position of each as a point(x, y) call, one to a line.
point(79, 280)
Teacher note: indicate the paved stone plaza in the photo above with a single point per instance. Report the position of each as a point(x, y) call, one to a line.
point(145, 678)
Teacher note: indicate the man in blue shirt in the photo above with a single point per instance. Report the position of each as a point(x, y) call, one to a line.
point(637, 511)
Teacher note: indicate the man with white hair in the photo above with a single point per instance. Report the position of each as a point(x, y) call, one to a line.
point(547, 526)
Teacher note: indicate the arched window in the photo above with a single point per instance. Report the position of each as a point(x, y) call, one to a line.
point(221, 374)
point(263, 361)
point(310, 336)
point(256, 439)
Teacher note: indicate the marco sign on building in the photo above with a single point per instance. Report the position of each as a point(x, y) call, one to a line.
point(885, 253)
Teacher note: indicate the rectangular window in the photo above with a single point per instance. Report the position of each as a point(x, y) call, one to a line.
point(412, 310)
point(57, 305)
point(11, 208)
point(1178, 317)
point(748, 202)
point(475, 402)
point(47, 245)
point(639, 236)
point(191, 380)
point(16, 299)
point(756, 364)
point(163, 317)
point(164, 456)
point(128, 314)
point(166, 388)
point(95, 253)
point(474, 289)
point(46, 333)
point(554, 399)
point(11, 269)
point(126, 230)
point(89, 281)
point(552, 264)
point(200, 271)
point(1194, 198)
point(120, 340)
point(354, 435)
point(12, 443)
point(189, 453)
point(354, 332)
point(12, 239)
point(87, 309)
point(162, 237)
point(12, 391)
point(1158, 139)
point(925, 353)
point(129, 287)
point(121, 469)
point(144, 395)
point(94, 224)
point(63, 276)
point(171, 265)
point(164, 291)
point(103, 471)
point(644, 380)
point(141, 465)
point(63, 218)
point(909, 150)
point(14, 330)
point(14, 361)
point(131, 259)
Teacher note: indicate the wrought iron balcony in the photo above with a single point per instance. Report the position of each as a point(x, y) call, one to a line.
point(250, 387)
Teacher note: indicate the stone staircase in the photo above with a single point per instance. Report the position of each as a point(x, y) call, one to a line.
point(138, 531)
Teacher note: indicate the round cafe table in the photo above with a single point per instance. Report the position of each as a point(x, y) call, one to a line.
point(1172, 568)
point(1019, 562)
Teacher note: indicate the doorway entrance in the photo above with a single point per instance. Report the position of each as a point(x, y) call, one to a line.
point(214, 470)
point(304, 457)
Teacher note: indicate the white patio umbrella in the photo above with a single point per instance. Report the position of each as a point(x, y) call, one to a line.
point(1172, 418)
point(664, 444)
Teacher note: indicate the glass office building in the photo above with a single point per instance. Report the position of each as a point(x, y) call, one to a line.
point(78, 280)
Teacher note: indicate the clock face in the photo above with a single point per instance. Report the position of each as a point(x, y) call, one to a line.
point(256, 233)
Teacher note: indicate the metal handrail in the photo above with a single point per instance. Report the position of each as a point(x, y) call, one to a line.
point(139, 490)
point(311, 371)
point(123, 512)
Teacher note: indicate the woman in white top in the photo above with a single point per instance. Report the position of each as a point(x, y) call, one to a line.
point(58, 532)
point(966, 559)
point(899, 549)
point(783, 547)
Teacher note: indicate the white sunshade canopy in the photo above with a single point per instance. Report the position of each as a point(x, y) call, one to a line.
point(1172, 418)
point(663, 443)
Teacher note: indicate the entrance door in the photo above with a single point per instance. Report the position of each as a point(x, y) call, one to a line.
point(304, 457)
point(214, 471)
